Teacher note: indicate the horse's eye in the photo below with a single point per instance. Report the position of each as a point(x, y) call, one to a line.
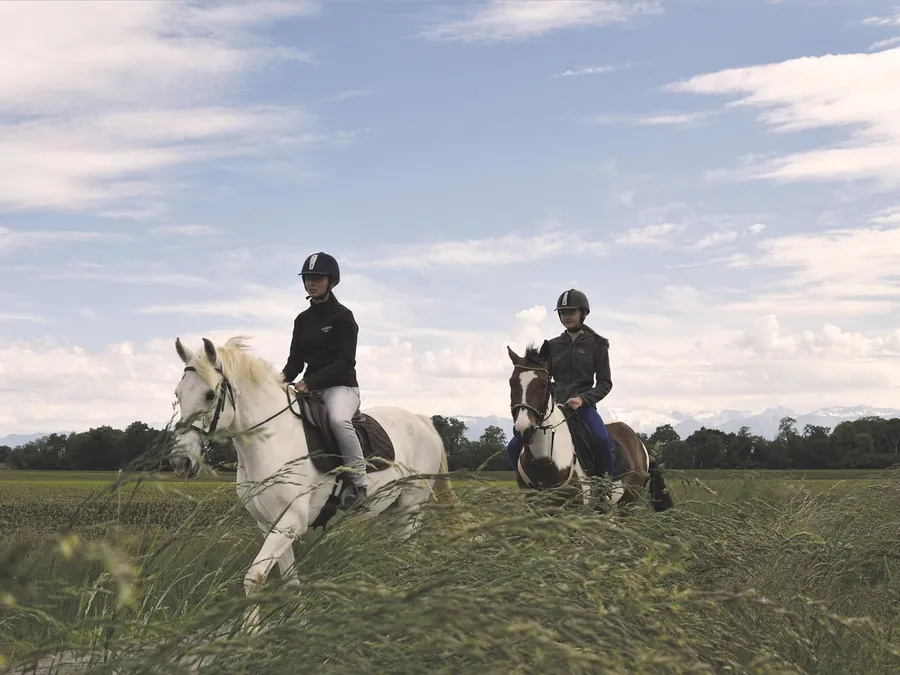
point(210, 395)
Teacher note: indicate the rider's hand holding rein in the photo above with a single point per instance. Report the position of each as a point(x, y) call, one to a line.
point(575, 402)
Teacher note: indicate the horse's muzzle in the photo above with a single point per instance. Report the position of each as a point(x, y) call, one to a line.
point(183, 466)
point(525, 436)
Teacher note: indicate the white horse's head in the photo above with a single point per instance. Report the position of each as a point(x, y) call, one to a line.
point(529, 390)
point(206, 399)
point(209, 393)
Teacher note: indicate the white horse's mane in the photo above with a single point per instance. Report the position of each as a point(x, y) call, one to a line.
point(238, 363)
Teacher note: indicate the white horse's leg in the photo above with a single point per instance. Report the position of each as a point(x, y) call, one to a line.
point(285, 563)
point(409, 508)
point(278, 542)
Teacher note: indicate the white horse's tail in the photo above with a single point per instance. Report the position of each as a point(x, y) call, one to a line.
point(442, 490)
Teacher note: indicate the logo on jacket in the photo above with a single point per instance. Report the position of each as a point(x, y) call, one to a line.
point(580, 350)
point(325, 329)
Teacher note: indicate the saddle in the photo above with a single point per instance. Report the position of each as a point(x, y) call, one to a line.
point(587, 448)
point(324, 451)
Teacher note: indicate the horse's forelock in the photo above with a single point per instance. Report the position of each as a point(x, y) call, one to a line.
point(533, 356)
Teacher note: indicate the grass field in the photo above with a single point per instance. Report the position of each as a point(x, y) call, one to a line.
point(763, 572)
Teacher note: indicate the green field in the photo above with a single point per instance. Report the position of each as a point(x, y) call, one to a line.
point(753, 572)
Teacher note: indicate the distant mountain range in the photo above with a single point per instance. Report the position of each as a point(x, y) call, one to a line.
point(764, 423)
point(15, 440)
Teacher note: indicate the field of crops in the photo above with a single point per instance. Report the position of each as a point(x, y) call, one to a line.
point(751, 573)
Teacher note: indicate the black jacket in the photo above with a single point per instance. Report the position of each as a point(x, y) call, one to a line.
point(324, 339)
point(573, 365)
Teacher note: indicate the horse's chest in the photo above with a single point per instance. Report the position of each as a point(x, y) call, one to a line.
point(253, 503)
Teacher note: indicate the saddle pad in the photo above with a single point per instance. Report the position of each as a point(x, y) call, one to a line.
point(323, 448)
point(586, 448)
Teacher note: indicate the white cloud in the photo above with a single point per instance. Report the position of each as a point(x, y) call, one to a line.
point(849, 256)
point(882, 20)
point(494, 20)
point(185, 230)
point(589, 70)
point(756, 228)
point(673, 119)
point(694, 357)
point(159, 279)
point(881, 44)
point(887, 216)
point(81, 162)
point(127, 381)
point(57, 55)
point(12, 240)
point(139, 214)
point(349, 94)
point(714, 238)
point(813, 338)
point(767, 339)
point(508, 249)
point(14, 316)
point(850, 273)
point(724, 236)
point(97, 98)
point(651, 235)
point(381, 308)
point(853, 92)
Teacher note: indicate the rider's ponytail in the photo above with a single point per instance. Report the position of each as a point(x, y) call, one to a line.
point(588, 329)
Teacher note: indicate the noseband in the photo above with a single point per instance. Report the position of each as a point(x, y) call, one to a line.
point(545, 412)
point(223, 391)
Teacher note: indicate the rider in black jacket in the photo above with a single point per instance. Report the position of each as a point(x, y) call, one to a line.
point(324, 339)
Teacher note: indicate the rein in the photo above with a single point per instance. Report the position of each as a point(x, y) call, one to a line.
point(223, 391)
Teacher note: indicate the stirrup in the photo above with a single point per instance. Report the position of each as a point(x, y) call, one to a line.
point(350, 495)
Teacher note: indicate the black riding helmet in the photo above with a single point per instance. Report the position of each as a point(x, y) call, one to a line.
point(573, 299)
point(322, 263)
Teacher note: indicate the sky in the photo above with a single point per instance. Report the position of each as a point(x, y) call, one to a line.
point(720, 178)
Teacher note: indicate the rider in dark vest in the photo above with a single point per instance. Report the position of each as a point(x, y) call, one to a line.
point(578, 357)
point(324, 339)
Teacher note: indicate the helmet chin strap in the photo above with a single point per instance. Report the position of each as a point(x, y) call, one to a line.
point(323, 296)
point(580, 322)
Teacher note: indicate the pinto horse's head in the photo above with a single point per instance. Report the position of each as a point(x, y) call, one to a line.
point(529, 390)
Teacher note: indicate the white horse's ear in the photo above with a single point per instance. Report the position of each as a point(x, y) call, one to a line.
point(210, 349)
point(184, 353)
point(515, 358)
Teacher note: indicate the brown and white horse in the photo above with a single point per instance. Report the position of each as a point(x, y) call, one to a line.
point(548, 460)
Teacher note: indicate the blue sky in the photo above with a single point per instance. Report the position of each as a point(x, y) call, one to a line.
point(720, 178)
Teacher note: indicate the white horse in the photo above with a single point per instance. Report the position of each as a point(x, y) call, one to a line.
point(234, 392)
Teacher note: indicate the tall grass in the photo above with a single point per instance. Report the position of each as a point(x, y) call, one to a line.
point(743, 576)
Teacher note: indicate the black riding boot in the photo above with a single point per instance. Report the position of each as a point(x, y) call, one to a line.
point(351, 494)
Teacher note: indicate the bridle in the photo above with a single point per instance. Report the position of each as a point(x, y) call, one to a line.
point(225, 390)
point(546, 411)
point(544, 414)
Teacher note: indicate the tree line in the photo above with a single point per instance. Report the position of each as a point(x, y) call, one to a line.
point(865, 443)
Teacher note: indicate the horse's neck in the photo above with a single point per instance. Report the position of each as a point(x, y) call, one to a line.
point(275, 442)
point(554, 442)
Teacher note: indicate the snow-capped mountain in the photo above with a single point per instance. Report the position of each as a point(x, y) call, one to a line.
point(764, 423)
point(475, 426)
